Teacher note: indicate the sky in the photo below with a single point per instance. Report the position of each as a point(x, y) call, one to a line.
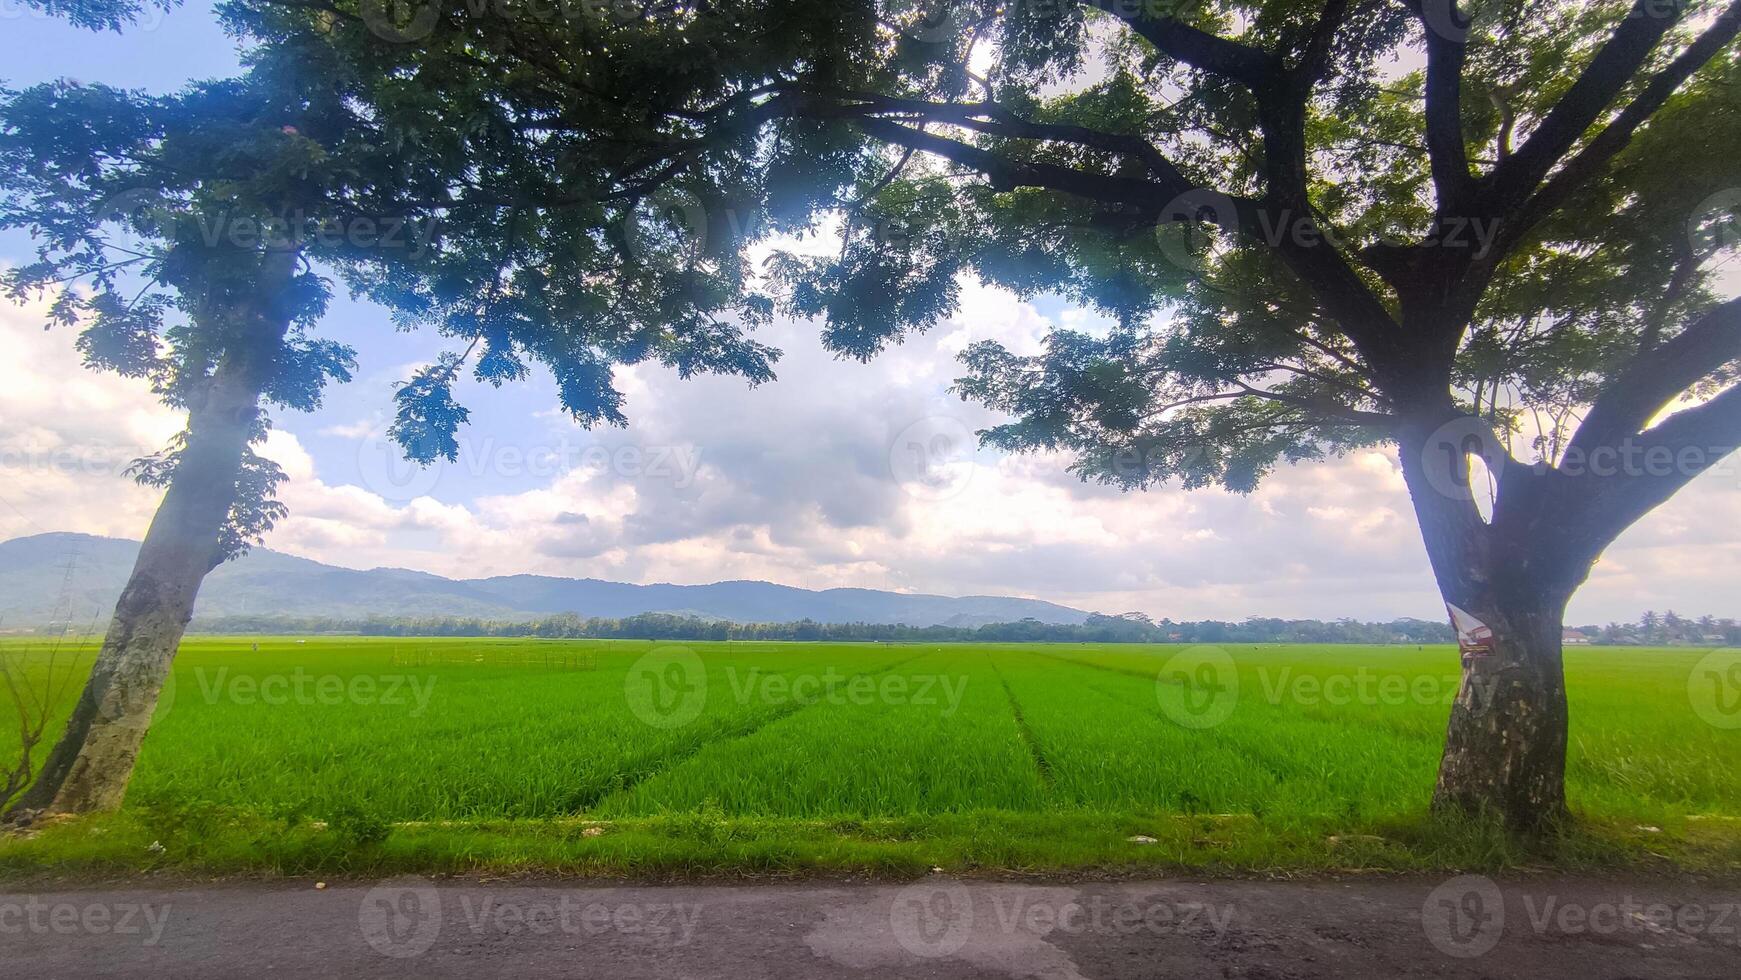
point(837, 474)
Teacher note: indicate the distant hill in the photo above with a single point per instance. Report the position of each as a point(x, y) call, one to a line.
point(58, 577)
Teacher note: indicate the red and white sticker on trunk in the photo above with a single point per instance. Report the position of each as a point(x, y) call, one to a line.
point(1474, 638)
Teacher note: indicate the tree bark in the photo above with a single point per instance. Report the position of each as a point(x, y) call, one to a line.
point(89, 768)
point(1505, 745)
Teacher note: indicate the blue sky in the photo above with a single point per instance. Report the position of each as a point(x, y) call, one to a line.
point(808, 481)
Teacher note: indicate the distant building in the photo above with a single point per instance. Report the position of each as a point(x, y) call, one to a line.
point(1573, 637)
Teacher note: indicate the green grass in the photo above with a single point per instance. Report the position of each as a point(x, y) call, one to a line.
point(370, 755)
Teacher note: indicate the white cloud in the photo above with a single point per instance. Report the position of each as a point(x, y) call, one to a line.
point(66, 435)
point(359, 429)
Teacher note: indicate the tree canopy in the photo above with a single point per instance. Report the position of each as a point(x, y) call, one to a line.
point(99, 15)
point(1286, 210)
point(154, 215)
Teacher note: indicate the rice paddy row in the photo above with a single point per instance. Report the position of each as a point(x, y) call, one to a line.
point(1314, 739)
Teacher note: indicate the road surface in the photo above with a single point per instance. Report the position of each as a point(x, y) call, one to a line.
point(1589, 929)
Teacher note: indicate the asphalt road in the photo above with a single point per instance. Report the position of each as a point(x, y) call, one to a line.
point(1535, 927)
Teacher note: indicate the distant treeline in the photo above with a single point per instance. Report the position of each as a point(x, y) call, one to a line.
point(1666, 629)
point(1127, 628)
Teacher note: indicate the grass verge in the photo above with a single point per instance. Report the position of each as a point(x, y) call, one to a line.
point(212, 841)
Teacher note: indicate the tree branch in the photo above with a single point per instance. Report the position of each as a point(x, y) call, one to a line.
point(1602, 80)
point(1447, 155)
point(1612, 493)
point(1146, 196)
point(1658, 376)
point(1207, 52)
point(1007, 124)
point(1357, 311)
point(1314, 57)
point(1618, 133)
point(1334, 409)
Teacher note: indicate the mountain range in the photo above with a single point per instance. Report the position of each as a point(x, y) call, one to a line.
point(61, 577)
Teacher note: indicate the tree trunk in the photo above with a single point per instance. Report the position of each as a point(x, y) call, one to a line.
point(1505, 748)
point(1505, 586)
point(89, 768)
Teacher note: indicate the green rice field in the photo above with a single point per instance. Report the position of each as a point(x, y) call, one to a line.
point(350, 753)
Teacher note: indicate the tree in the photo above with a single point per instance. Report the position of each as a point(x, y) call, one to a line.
point(1314, 226)
point(188, 237)
point(35, 693)
point(99, 15)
